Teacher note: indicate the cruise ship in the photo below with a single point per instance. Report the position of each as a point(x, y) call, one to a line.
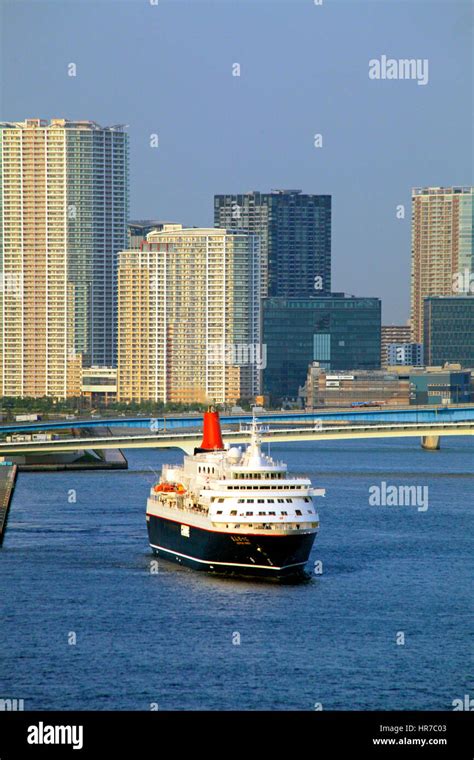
point(233, 511)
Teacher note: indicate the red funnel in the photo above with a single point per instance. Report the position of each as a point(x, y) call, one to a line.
point(212, 437)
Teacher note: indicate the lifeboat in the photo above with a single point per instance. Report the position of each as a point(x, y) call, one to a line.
point(170, 488)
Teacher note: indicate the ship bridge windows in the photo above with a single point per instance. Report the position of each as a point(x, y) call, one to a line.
point(258, 475)
point(266, 487)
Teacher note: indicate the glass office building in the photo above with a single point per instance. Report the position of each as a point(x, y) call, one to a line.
point(338, 331)
point(295, 235)
point(449, 330)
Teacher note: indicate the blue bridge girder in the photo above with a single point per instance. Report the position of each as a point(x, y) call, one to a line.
point(453, 413)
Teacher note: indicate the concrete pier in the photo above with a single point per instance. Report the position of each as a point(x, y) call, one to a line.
point(430, 442)
point(7, 485)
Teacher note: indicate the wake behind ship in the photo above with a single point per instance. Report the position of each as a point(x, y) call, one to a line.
point(231, 511)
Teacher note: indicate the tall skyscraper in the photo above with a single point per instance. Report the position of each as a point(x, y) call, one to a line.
point(295, 233)
point(62, 222)
point(442, 246)
point(189, 317)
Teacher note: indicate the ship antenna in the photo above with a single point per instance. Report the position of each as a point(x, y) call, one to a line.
point(255, 430)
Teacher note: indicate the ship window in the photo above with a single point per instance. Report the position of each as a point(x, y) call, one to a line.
point(233, 511)
point(237, 525)
point(240, 501)
point(306, 498)
point(289, 501)
point(281, 501)
point(249, 501)
point(219, 512)
point(221, 501)
point(272, 513)
point(261, 501)
point(298, 512)
point(248, 513)
point(271, 501)
point(262, 513)
point(284, 513)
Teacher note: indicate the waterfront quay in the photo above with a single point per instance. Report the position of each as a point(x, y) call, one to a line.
point(8, 472)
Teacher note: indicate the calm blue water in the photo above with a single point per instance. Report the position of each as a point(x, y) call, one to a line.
point(166, 638)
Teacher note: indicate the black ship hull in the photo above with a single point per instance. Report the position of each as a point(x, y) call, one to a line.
point(254, 555)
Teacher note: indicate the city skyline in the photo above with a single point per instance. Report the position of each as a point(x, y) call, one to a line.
point(209, 131)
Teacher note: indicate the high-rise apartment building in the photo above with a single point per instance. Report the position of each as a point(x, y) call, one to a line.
point(295, 234)
point(442, 246)
point(189, 317)
point(63, 217)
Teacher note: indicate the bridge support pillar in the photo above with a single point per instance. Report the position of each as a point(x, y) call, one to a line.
point(430, 442)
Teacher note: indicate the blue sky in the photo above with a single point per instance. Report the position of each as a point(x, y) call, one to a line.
point(166, 69)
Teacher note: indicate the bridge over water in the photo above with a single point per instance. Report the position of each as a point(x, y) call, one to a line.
point(429, 432)
point(451, 413)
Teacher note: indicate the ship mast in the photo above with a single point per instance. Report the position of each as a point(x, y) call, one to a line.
point(253, 456)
